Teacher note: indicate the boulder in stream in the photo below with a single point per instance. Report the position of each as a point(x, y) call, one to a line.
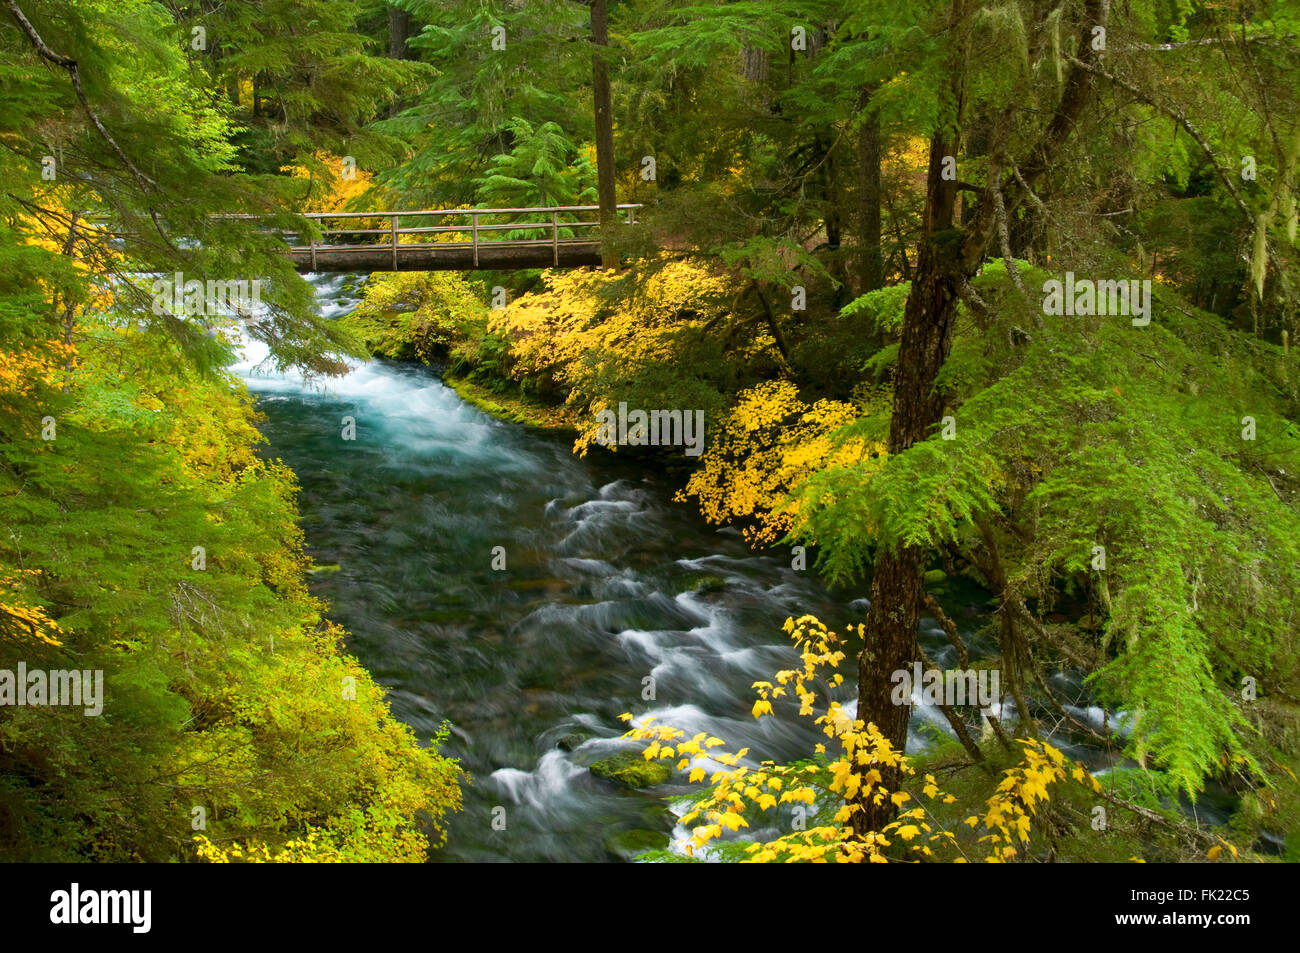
point(631, 770)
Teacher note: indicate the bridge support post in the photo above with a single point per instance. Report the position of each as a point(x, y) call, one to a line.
point(394, 224)
point(474, 233)
point(555, 237)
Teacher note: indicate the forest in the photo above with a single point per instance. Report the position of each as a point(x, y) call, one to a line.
point(649, 430)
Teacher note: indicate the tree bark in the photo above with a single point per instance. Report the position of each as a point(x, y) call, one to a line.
point(399, 31)
point(871, 262)
point(604, 110)
point(946, 258)
point(833, 220)
point(897, 592)
point(1014, 652)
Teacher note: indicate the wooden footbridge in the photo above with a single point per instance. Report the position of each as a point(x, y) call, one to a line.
point(499, 239)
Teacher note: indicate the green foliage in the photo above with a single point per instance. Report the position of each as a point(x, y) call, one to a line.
point(541, 169)
point(418, 315)
point(143, 537)
point(1071, 433)
point(298, 76)
point(470, 110)
point(1128, 438)
point(224, 687)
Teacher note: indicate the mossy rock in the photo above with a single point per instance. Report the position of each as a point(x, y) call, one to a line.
point(703, 584)
point(570, 741)
point(631, 770)
point(935, 576)
point(627, 844)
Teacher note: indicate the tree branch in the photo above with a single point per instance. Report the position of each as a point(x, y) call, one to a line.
point(71, 66)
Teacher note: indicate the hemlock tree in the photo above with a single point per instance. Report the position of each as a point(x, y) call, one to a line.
point(1003, 135)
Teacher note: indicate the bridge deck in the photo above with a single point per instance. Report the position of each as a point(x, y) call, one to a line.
point(446, 256)
point(464, 241)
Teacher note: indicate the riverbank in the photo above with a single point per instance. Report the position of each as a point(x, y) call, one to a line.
point(165, 554)
point(512, 407)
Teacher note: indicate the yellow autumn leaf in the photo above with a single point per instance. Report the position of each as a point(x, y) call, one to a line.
point(732, 821)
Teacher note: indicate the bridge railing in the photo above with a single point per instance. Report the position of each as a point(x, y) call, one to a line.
point(478, 226)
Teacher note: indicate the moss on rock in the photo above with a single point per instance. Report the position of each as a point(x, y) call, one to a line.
point(703, 584)
point(631, 769)
point(628, 844)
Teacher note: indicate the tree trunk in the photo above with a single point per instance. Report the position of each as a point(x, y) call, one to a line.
point(946, 257)
point(1014, 652)
point(399, 31)
point(871, 262)
point(897, 591)
point(833, 218)
point(604, 133)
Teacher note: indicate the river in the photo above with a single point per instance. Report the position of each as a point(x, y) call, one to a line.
point(606, 583)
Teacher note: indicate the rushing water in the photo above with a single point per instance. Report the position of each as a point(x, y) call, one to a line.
point(606, 582)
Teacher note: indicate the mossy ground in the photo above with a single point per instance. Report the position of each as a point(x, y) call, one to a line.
point(511, 406)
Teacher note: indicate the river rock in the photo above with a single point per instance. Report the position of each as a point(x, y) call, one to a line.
point(704, 585)
point(631, 770)
point(627, 844)
point(570, 741)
